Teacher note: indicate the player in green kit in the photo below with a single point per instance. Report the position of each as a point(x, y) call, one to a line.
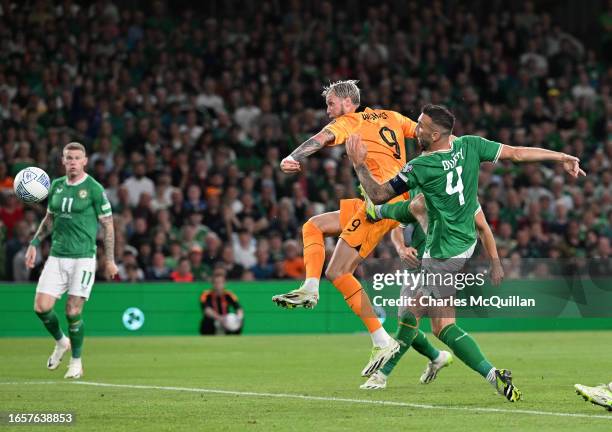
point(76, 203)
point(412, 255)
point(447, 173)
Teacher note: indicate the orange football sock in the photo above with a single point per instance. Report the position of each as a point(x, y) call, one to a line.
point(314, 250)
point(358, 300)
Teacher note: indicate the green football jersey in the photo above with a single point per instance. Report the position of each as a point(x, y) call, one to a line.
point(76, 209)
point(449, 182)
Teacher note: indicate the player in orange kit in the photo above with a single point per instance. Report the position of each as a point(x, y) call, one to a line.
point(384, 132)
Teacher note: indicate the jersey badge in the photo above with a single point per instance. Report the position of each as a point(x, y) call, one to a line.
point(83, 193)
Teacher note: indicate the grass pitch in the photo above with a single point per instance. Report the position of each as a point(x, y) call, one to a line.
point(304, 383)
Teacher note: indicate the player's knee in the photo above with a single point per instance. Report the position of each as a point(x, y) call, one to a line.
point(40, 308)
point(319, 224)
point(72, 310)
point(312, 224)
point(332, 273)
point(437, 327)
point(408, 318)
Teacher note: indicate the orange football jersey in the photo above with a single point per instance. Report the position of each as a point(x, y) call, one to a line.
point(383, 132)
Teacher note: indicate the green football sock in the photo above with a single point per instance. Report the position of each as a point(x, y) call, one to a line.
point(76, 332)
point(466, 348)
point(422, 345)
point(51, 323)
point(399, 211)
point(407, 330)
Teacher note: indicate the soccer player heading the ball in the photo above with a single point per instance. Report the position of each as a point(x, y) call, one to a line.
point(384, 132)
point(447, 174)
point(76, 203)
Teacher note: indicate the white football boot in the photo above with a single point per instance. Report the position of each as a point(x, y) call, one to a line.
point(600, 395)
point(433, 367)
point(75, 369)
point(61, 346)
point(377, 381)
point(380, 356)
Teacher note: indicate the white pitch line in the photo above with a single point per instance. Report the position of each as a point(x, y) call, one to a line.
point(322, 398)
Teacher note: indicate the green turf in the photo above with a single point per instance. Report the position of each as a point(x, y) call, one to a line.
point(545, 367)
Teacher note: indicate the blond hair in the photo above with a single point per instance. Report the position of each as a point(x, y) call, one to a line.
point(344, 89)
point(75, 146)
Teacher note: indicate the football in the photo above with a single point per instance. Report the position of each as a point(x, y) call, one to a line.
point(232, 322)
point(31, 185)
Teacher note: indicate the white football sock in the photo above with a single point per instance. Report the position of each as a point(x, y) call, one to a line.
point(380, 338)
point(311, 285)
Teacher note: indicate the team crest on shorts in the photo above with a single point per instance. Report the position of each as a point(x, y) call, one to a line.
point(83, 193)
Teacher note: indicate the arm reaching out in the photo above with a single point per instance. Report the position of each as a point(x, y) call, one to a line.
point(488, 241)
point(571, 164)
point(357, 153)
point(292, 163)
point(44, 229)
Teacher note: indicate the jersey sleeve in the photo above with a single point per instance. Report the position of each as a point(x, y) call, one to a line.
point(405, 179)
point(205, 299)
point(233, 300)
point(102, 206)
point(488, 151)
point(408, 126)
point(342, 127)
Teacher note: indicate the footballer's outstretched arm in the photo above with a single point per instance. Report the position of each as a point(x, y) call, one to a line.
point(488, 241)
point(44, 229)
point(292, 163)
point(571, 164)
point(357, 152)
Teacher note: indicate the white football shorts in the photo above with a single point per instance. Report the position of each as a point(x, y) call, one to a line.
point(75, 275)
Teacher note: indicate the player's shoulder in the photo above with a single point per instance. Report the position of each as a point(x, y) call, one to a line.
point(93, 183)
point(58, 181)
point(231, 295)
point(467, 140)
point(346, 118)
point(420, 160)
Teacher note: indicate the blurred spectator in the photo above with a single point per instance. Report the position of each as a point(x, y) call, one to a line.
point(182, 272)
point(199, 269)
point(6, 181)
point(11, 211)
point(293, 264)
point(158, 270)
point(138, 184)
point(264, 267)
point(244, 246)
point(128, 266)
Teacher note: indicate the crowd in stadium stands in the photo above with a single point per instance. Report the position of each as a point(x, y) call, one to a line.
point(186, 118)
